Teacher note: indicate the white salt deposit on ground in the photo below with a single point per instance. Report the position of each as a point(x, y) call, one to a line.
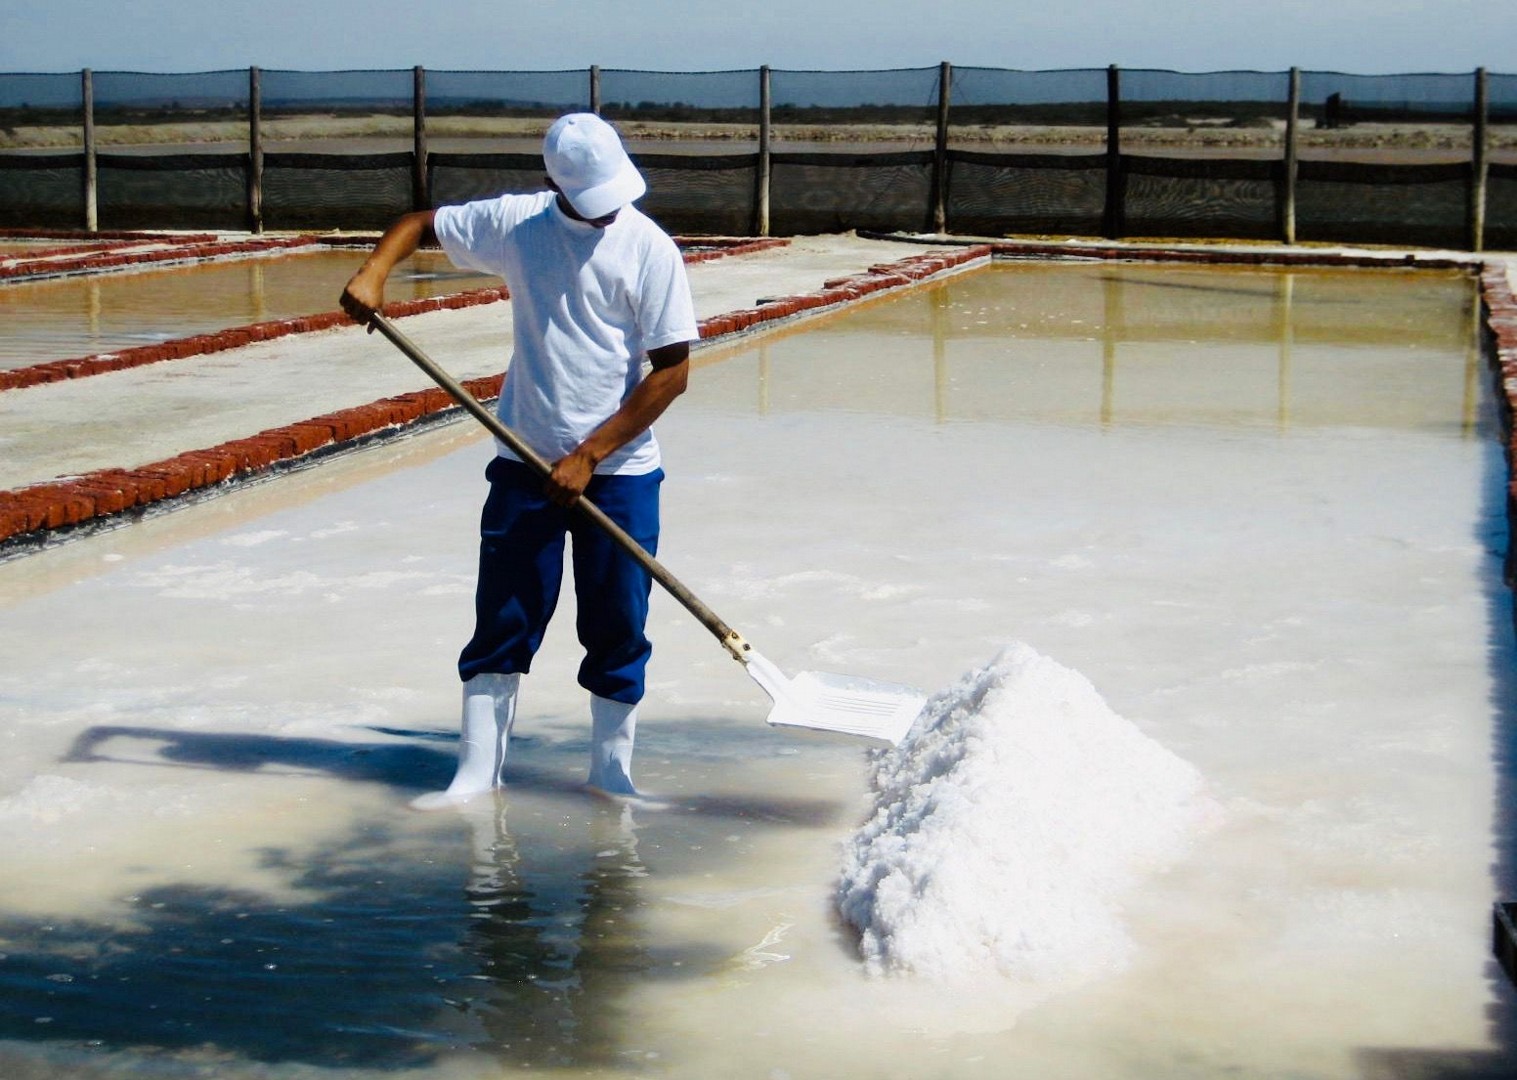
point(1008, 827)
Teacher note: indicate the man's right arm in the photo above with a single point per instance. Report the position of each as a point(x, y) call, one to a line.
point(365, 291)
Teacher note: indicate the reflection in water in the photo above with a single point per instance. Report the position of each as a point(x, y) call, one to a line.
point(1286, 333)
point(1122, 345)
point(553, 928)
point(63, 319)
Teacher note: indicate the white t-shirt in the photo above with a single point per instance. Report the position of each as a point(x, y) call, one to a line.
point(587, 305)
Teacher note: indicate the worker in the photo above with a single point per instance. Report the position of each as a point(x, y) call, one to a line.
point(602, 322)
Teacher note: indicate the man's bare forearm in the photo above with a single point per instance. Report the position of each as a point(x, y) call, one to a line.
point(365, 291)
point(647, 402)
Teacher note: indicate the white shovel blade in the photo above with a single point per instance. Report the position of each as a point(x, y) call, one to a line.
point(843, 703)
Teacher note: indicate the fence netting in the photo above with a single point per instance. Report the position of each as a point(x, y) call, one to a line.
point(719, 100)
point(1501, 208)
point(36, 103)
point(1081, 152)
point(539, 95)
point(350, 93)
point(193, 191)
point(41, 136)
point(139, 99)
point(851, 110)
point(335, 191)
point(714, 195)
point(1501, 192)
point(1332, 97)
point(41, 191)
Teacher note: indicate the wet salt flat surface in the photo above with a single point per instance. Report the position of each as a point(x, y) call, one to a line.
point(1233, 542)
point(65, 318)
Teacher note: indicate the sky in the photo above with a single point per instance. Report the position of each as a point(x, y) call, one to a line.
point(1358, 36)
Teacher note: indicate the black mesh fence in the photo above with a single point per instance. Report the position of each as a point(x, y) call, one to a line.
point(514, 94)
point(699, 100)
point(337, 93)
point(1350, 202)
point(1380, 158)
point(41, 191)
point(686, 192)
point(1026, 152)
point(833, 192)
point(41, 122)
point(1195, 198)
point(459, 178)
point(995, 194)
point(179, 191)
point(1502, 93)
point(1005, 107)
point(1501, 208)
point(31, 103)
point(336, 191)
point(145, 100)
point(851, 110)
point(697, 194)
point(1169, 188)
point(1191, 101)
point(1333, 99)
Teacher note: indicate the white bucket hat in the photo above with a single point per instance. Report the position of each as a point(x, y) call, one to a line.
point(585, 158)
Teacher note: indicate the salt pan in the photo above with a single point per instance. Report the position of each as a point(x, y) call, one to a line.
point(1007, 828)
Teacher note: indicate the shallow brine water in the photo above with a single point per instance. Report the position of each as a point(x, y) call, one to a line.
point(70, 317)
point(1250, 521)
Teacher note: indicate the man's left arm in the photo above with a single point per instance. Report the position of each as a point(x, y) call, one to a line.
point(647, 402)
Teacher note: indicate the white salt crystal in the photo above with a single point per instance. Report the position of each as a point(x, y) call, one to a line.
point(1007, 828)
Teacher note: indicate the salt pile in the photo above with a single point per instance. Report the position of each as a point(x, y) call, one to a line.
point(1007, 828)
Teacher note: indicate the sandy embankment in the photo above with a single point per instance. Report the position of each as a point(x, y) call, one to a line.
point(1180, 135)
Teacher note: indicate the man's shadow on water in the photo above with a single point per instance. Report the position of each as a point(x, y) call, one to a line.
point(388, 948)
point(412, 764)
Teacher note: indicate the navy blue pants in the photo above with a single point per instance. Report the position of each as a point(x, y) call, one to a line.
point(521, 564)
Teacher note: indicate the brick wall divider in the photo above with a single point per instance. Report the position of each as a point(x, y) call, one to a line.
point(238, 336)
point(41, 514)
point(86, 259)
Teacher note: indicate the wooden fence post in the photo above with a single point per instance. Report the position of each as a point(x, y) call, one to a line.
point(1292, 135)
point(1112, 220)
point(765, 137)
point(255, 149)
point(1479, 167)
point(595, 89)
point(938, 222)
point(421, 195)
point(91, 176)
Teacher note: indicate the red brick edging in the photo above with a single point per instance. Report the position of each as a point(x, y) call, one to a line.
point(92, 258)
point(29, 514)
point(238, 336)
point(106, 492)
point(1264, 256)
point(221, 340)
point(845, 290)
point(1501, 324)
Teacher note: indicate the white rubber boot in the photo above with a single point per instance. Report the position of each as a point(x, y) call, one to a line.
point(613, 728)
point(489, 710)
